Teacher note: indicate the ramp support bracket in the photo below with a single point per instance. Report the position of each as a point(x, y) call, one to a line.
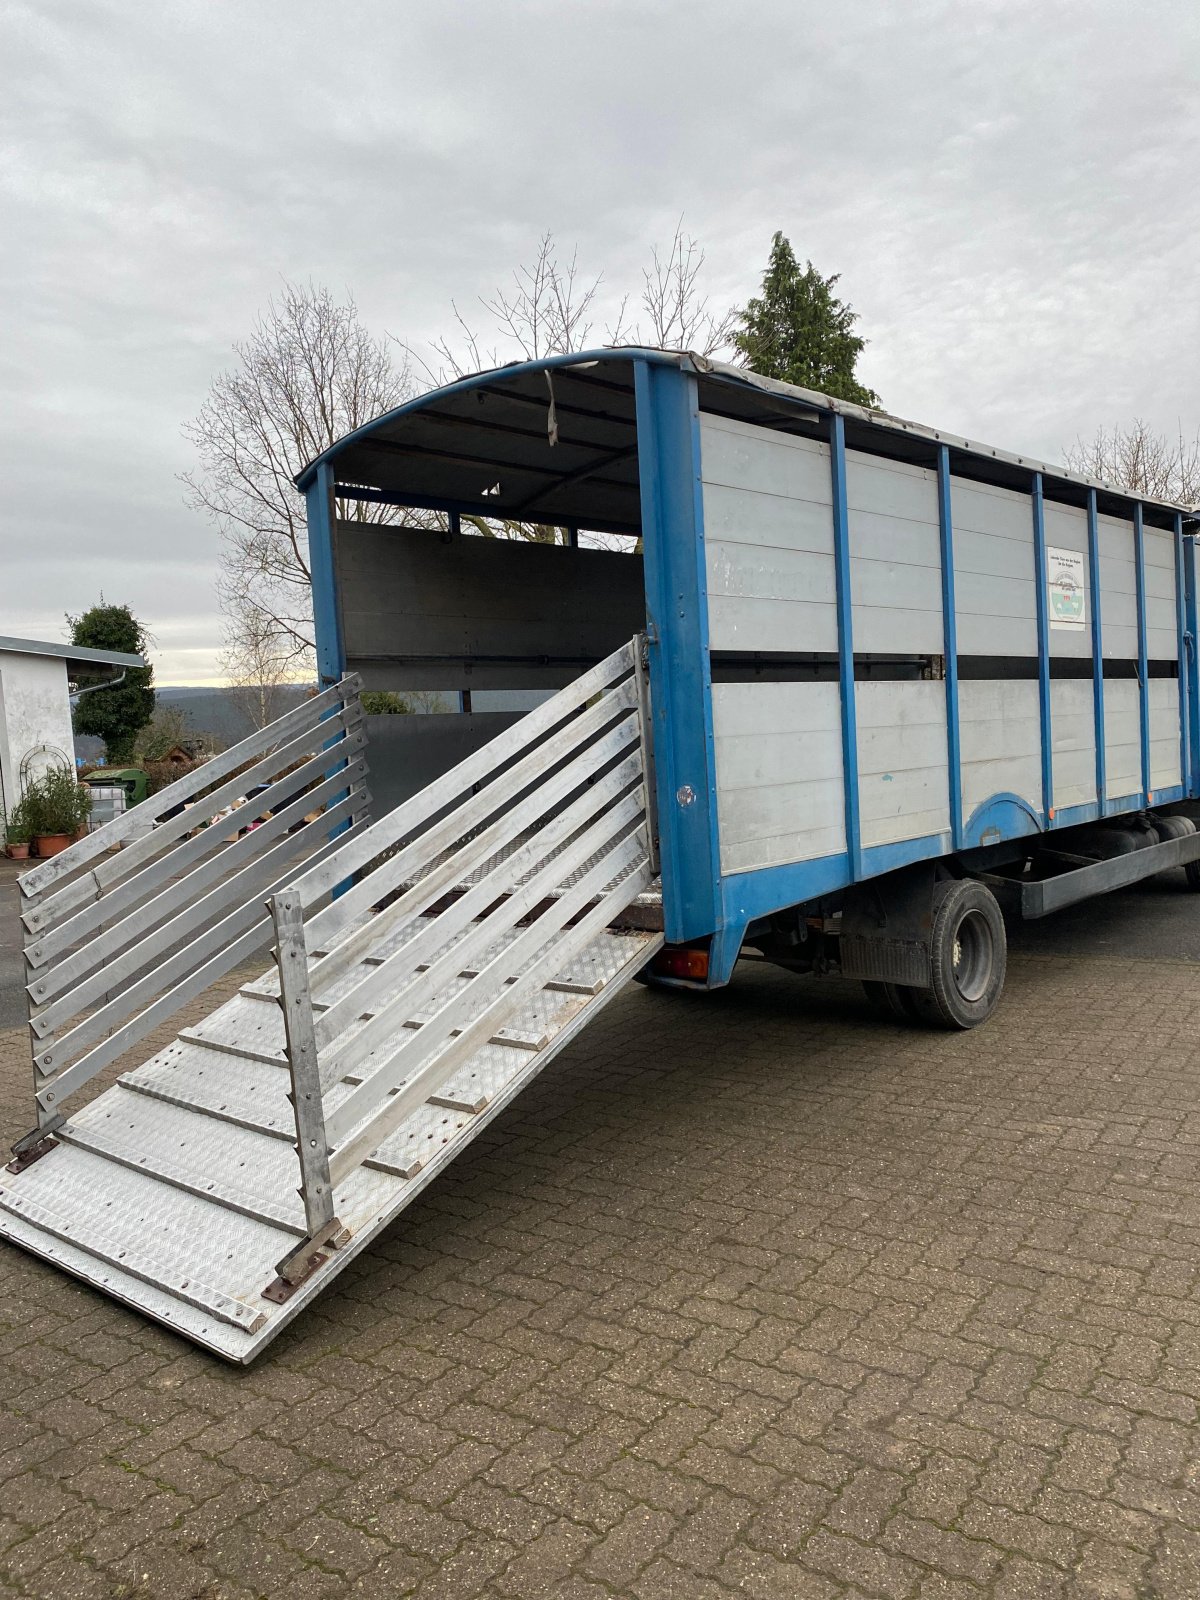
point(308, 1257)
point(35, 1144)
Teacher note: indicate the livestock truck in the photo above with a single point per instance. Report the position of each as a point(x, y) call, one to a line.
point(788, 676)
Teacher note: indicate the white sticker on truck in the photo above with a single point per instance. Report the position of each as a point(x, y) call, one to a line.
point(1064, 580)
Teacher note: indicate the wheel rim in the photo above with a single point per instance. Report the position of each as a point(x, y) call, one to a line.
point(973, 956)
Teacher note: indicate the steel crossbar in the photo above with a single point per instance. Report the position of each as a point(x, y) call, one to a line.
point(102, 881)
point(390, 1103)
point(251, 886)
point(35, 883)
point(471, 896)
point(417, 988)
point(395, 827)
point(111, 953)
point(214, 850)
point(435, 879)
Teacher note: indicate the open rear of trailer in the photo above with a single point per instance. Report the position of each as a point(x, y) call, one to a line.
point(776, 675)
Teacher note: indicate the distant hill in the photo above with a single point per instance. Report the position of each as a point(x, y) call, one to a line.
point(216, 711)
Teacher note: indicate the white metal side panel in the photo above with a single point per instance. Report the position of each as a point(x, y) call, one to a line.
point(1122, 738)
point(1165, 752)
point(1073, 731)
point(1000, 734)
point(768, 533)
point(895, 556)
point(995, 594)
point(779, 773)
point(903, 783)
point(1162, 635)
point(1066, 529)
point(1118, 592)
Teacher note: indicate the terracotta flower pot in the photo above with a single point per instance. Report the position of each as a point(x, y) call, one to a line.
point(52, 844)
point(19, 852)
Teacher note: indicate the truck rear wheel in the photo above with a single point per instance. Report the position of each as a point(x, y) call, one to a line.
point(968, 957)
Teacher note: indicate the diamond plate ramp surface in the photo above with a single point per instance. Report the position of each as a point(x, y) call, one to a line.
point(175, 1191)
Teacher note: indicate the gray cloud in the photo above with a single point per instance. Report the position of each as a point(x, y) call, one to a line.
point(1006, 188)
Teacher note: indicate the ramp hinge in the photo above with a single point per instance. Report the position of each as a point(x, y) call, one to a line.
point(35, 1144)
point(298, 1267)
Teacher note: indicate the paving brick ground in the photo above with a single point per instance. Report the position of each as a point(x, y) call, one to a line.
point(751, 1294)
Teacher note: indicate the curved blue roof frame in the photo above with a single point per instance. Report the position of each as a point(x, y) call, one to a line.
point(480, 380)
point(1002, 466)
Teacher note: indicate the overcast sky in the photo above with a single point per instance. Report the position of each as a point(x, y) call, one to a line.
point(1009, 191)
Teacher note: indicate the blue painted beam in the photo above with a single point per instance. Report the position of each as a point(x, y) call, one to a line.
point(1191, 778)
point(845, 620)
point(1181, 641)
point(1093, 533)
point(1043, 637)
point(950, 647)
point(331, 654)
point(1139, 565)
point(668, 428)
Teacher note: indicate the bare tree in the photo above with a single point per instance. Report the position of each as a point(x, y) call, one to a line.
point(1134, 457)
point(678, 316)
point(549, 310)
point(308, 373)
point(258, 662)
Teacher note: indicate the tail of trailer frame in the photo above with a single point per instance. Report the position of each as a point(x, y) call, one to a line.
point(754, 671)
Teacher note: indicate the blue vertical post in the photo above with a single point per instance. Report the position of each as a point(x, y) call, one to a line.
point(1181, 641)
point(668, 431)
point(331, 655)
point(1139, 563)
point(1192, 623)
point(845, 620)
point(1093, 534)
point(1043, 637)
point(327, 620)
point(950, 649)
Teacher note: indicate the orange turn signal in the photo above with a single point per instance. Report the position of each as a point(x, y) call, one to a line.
point(676, 961)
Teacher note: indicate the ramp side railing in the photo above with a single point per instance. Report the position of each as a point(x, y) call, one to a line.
point(469, 897)
point(142, 915)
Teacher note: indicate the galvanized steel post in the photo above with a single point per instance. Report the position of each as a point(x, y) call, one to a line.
point(291, 957)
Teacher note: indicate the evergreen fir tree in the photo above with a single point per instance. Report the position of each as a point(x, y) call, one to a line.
point(119, 714)
point(798, 331)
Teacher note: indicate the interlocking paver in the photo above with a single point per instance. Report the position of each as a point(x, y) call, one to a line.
point(749, 1295)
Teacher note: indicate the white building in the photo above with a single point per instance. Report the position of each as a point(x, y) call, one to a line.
point(36, 679)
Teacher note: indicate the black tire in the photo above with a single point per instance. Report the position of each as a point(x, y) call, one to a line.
point(1191, 872)
point(889, 999)
point(1106, 843)
point(1171, 827)
point(968, 957)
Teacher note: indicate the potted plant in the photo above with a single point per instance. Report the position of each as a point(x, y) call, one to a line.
point(17, 831)
point(59, 807)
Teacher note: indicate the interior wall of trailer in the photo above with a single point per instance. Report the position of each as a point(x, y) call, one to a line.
point(768, 508)
point(487, 622)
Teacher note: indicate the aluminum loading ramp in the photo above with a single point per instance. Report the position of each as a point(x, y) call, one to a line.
point(222, 1184)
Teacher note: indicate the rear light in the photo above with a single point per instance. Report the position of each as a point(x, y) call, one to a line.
point(678, 962)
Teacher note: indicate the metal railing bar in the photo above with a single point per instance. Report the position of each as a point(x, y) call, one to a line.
point(35, 882)
point(64, 1083)
point(136, 856)
point(462, 913)
point(219, 844)
point(395, 825)
point(339, 957)
point(426, 1076)
point(248, 884)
